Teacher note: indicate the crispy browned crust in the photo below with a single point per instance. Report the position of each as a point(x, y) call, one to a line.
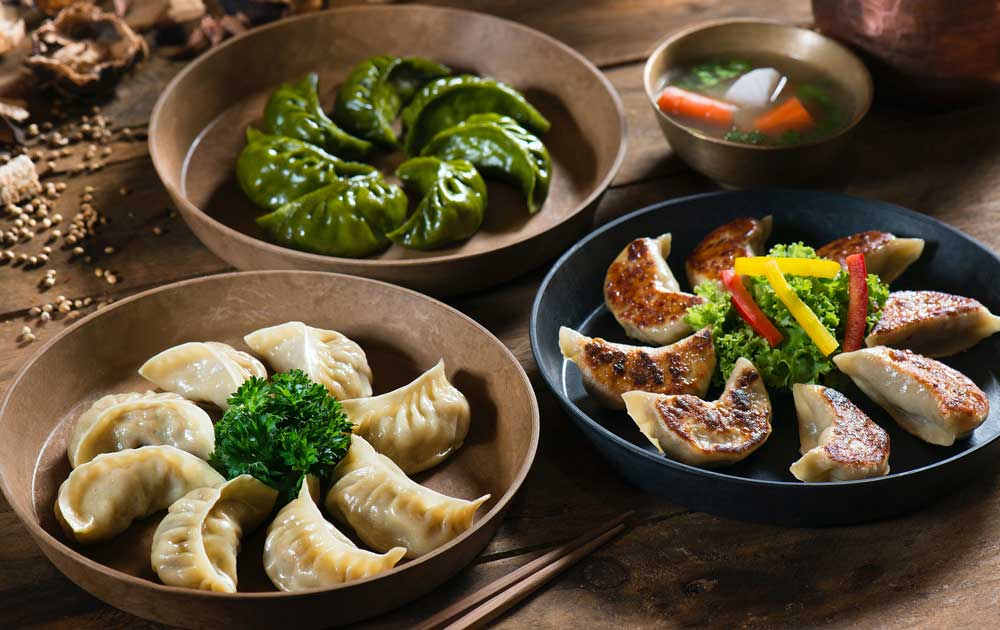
point(955, 392)
point(906, 308)
point(858, 442)
point(740, 412)
point(681, 370)
point(631, 294)
point(717, 251)
point(860, 243)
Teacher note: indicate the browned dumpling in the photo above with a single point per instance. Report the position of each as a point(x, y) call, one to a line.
point(703, 433)
point(885, 255)
point(932, 324)
point(643, 295)
point(926, 397)
point(837, 440)
point(717, 251)
point(611, 369)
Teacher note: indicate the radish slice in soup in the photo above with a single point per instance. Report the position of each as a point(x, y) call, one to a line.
point(754, 88)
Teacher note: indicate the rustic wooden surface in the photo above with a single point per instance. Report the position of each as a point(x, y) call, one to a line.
point(936, 568)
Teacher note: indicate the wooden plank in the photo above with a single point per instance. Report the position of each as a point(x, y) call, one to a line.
point(611, 32)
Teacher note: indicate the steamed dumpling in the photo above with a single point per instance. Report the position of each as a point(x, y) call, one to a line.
point(611, 369)
point(206, 371)
point(931, 323)
point(927, 398)
point(387, 509)
point(643, 295)
point(196, 543)
point(885, 255)
point(303, 550)
point(120, 421)
point(101, 498)
point(326, 356)
point(723, 245)
point(702, 433)
point(838, 441)
point(418, 425)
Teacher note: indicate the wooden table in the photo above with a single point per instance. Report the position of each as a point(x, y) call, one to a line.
point(675, 568)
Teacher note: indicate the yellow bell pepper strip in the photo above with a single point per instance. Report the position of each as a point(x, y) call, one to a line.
point(802, 313)
point(814, 267)
point(857, 307)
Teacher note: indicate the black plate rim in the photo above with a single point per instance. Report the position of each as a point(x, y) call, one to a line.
point(579, 415)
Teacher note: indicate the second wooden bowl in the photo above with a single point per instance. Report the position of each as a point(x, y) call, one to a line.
point(197, 131)
point(402, 332)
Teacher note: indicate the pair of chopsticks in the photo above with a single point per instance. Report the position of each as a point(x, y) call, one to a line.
point(495, 598)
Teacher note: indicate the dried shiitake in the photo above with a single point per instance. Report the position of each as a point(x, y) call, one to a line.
point(85, 49)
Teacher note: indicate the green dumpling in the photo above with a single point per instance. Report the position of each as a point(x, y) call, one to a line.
point(446, 102)
point(501, 148)
point(348, 218)
point(294, 111)
point(377, 89)
point(273, 170)
point(452, 202)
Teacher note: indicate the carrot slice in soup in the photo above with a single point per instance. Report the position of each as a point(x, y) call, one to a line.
point(674, 100)
point(789, 116)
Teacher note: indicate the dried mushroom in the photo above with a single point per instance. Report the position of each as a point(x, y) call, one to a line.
point(85, 49)
point(11, 29)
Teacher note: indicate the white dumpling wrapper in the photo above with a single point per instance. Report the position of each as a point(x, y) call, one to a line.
point(197, 542)
point(417, 425)
point(387, 509)
point(326, 356)
point(101, 498)
point(119, 421)
point(303, 550)
point(206, 371)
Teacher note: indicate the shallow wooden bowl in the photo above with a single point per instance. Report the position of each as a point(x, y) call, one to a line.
point(403, 334)
point(197, 131)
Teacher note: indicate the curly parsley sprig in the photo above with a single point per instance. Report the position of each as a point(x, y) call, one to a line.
point(279, 430)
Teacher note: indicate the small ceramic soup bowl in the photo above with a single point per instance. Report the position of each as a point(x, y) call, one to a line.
point(740, 165)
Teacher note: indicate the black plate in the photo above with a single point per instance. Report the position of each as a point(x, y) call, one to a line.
point(761, 488)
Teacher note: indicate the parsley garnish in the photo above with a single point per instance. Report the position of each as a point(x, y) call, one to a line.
point(280, 430)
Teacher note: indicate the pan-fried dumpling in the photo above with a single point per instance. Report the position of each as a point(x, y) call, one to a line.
point(837, 440)
point(303, 550)
point(643, 295)
point(611, 369)
point(206, 371)
point(717, 251)
point(417, 425)
point(119, 421)
point(196, 543)
point(885, 255)
point(932, 324)
point(388, 510)
point(927, 398)
point(702, 433)
point(326, 356)
point(101, 498)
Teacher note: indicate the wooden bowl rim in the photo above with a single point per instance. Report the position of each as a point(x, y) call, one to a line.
point(368, 263)
point(58, 546)
point(649, 82)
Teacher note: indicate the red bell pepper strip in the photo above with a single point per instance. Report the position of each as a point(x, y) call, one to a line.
point(748, 309)
point(857, 306)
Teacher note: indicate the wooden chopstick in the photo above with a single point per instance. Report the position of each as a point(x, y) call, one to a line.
point(495, 607)
point(561, 557)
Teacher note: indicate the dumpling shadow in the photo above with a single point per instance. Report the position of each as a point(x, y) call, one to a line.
point(572, 156)
point(484, 411)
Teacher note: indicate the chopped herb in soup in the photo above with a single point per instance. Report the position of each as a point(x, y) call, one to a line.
point(773, 101)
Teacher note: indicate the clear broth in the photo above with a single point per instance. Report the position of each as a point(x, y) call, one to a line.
point(826, 100)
